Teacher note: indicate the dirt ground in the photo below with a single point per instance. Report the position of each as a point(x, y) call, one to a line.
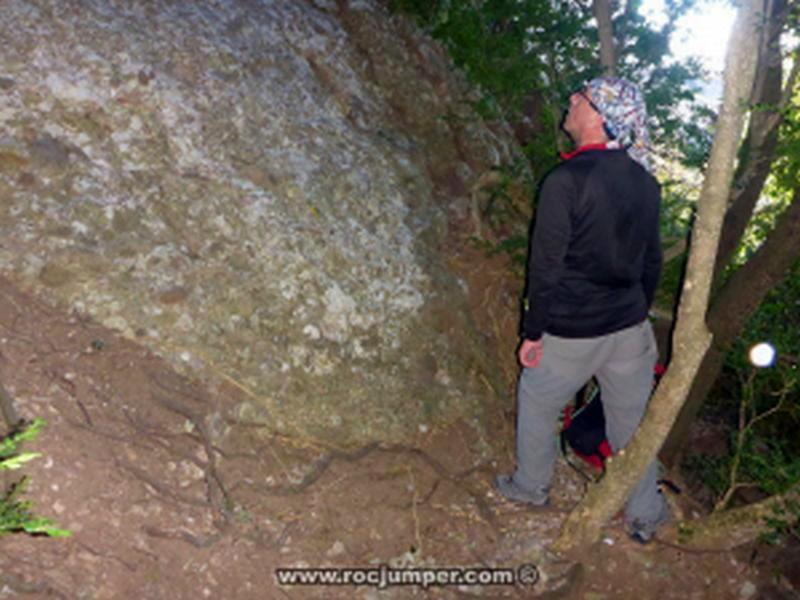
point(169, 496)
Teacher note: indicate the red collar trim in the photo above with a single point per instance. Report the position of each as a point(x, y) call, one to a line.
point(586, 148)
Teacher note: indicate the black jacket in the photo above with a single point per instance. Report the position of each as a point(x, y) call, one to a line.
point(595, 255)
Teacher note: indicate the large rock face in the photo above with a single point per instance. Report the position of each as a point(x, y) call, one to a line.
point(259, 190)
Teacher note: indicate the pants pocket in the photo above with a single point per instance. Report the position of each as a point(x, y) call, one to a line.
point(635, 348)
point(569, 357)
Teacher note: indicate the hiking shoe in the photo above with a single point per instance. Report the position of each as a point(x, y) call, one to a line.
point(510, 490)
point(643, 532)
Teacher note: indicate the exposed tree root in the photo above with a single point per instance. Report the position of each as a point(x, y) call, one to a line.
point(39, 587)
point(317, 470)
point(162, 489)
point(184, 536)
point(726, 530)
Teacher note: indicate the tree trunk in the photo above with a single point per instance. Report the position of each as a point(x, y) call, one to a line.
point(605, 30)
point(756, 160)
point(758, 150)
point(735, 303)
point(692, 338)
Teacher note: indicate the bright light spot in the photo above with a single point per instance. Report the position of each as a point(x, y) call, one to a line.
point(762, 355)
point(704, 32)
point(655, 12)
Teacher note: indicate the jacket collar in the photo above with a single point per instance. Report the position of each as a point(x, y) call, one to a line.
point(586, 148)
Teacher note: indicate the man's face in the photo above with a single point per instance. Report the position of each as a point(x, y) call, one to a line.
point(582, 115)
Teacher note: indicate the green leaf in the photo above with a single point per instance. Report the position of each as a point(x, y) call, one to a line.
point(15, 462)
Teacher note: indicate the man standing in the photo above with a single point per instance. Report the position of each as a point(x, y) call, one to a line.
point(595, 259)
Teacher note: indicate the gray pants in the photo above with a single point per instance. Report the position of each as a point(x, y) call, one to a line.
point(623, 364)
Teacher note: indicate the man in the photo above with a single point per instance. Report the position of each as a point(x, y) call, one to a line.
point(595, 259)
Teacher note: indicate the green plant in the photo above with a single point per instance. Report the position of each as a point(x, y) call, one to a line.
point(527, 56)
point(784, 522)
point(15, 514)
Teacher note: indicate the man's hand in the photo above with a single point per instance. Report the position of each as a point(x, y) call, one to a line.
point(530, 353)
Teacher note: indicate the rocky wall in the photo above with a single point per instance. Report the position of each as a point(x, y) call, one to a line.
point(259, 190)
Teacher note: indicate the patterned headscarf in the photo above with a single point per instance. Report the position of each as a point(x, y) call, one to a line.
point(622, 107)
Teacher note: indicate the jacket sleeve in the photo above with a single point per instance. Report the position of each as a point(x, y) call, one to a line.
point(551, 236)
point(652, 256)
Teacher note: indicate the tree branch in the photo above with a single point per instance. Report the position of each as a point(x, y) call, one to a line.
point(605, 29)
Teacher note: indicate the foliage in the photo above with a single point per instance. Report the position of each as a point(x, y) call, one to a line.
point(758, 460)
point(693, 139)
point(500, 206)
point(15, 514)
point(669, 285)
point(529, 55)
point(785, 521)
point(764, 455)
point(777, 321)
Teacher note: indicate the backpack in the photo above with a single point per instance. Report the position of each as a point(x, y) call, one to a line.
point(583, 430)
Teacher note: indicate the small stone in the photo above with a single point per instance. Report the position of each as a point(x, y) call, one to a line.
point(312, 332)
point(337, 549)
point(747, 590)
point(116, 322)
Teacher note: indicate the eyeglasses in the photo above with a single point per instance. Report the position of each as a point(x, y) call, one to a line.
point(594, 106)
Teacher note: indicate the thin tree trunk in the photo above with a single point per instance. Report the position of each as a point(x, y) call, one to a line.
point(692, 338)
point(735, 303)
point(605, 29)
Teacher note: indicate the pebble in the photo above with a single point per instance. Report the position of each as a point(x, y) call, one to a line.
point(337, 549)
point(747, 590)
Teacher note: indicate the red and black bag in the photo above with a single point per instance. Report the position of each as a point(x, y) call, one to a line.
point(583, 430)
